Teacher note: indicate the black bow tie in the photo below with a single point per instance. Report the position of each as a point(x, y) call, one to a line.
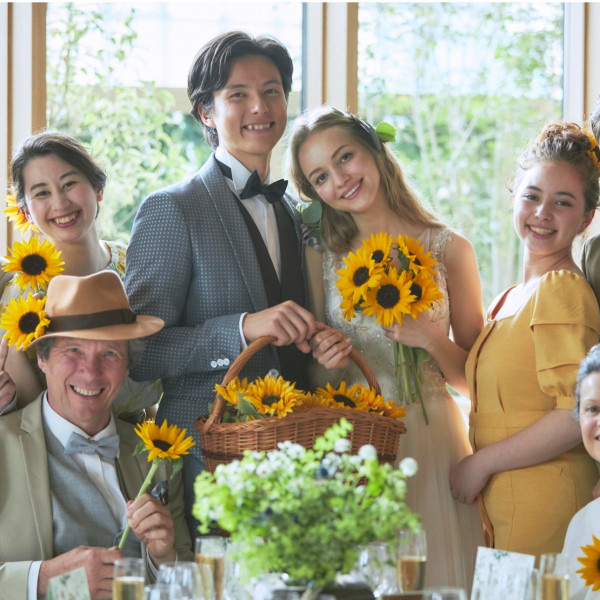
point(272, 192)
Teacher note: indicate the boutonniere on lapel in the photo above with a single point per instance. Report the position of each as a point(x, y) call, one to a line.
point(167, 442)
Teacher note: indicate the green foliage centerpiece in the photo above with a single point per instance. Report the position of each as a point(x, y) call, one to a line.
point(305, 512)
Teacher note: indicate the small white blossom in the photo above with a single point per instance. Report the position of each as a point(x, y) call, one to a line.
point(367, 452)
point(342, 445)
point(409, 466)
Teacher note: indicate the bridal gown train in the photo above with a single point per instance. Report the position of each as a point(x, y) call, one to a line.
point(453, 530)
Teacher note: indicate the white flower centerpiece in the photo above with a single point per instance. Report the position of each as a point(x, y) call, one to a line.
point(303, 512)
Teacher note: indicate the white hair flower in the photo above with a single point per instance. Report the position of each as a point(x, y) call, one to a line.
point(409, 466)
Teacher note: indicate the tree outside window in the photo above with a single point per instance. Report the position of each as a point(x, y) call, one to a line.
point(466, 85)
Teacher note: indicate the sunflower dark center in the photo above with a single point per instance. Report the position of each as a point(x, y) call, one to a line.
point(270, 400)
point(415, 290)
point(377, 256)
point(388, 296)
point(28, 322)
point(361, 276)
point(34, 264)
point(598, 565)
point(344, 400)
point(162, 445)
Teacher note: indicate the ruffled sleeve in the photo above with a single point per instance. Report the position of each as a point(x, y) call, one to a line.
point(565, 322)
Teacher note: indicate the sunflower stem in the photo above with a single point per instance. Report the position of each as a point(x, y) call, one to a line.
point(143, 489)
point(408, 376)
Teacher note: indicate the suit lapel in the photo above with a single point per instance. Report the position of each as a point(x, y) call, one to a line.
point(132, 467)
point(33, 446)
point(235, 231)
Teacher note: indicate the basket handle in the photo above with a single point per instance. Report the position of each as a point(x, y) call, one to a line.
point(238, 364)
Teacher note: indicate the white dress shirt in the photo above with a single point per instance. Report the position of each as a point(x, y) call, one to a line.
point(261, 211)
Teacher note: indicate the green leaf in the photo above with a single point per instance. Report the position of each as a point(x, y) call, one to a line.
point(311, 215)
point(140, 447)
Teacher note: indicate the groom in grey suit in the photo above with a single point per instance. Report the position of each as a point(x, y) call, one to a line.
point(218, 256)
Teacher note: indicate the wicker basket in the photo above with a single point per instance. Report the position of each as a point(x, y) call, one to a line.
point(224, 442)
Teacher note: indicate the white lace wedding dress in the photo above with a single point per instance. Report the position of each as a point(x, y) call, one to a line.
point(453, 529)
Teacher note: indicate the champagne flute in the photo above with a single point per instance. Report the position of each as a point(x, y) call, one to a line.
point(185, 575)
point(377, 567)
point(210, 552)
point(554, 576)
point(412, 557)
point(444, 594)
point(163, 591)
point(128, 579)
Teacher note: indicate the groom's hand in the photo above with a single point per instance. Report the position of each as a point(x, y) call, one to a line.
point(287, 322)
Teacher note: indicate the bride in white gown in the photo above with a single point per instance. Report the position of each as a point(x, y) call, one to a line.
point(337, 160)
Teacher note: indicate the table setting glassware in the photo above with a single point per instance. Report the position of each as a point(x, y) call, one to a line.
point(210, 555)
point(411, 560)
point(129, 579)
point(163, 591)
point(554, 576)
point(444, 593)
point(377, 566)
point(184, 574)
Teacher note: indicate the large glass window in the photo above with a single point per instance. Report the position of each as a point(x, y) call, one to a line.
point(466, 85)
point(117, 77)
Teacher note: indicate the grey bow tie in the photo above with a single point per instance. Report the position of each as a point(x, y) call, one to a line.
point(107, 447)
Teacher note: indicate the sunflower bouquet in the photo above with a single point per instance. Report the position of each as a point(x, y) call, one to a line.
point(34, 263)
point(164, 443)
point(276, 397)
point(391, 278)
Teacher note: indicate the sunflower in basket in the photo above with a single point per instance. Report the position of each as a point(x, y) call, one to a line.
point(359, 397)
point(264, 397)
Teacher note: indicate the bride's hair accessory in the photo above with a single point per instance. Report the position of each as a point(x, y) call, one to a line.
point(382, 133)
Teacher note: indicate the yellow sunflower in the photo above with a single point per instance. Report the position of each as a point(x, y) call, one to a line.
point(311, 401)
point(35, 263)
point(590, 572)
point(379, 405)
point(419, 259)
point(390, 301)
point(348, 309)
point(14, 213)
point(359, 274)
point(166, 441)
point(24, 320)
point(230, 392)
point(378, 247)
point(273, 396)
point(425, 290)
point(342, 396)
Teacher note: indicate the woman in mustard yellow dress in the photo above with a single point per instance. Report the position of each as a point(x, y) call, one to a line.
point(529, 467)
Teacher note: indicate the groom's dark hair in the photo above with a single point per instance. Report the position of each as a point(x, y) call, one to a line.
point(212, 65)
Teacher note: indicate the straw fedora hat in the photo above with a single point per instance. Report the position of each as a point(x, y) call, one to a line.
point(94, 307)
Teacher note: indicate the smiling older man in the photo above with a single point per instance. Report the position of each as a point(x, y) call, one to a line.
point(67, 469)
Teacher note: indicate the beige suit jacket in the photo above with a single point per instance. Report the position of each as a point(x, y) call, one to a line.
point(25, 506)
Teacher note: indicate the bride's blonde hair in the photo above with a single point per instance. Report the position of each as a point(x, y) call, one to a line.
point(337, 228)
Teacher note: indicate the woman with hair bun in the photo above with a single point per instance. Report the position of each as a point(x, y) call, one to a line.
point(528, 464)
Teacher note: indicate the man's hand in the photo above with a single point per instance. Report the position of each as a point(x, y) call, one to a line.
point(288, 322)
point(7, 385)
point(98, 565)
point(152, 524)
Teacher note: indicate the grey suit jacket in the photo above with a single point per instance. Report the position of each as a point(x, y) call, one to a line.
point(191, 262)
point(25, 506)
